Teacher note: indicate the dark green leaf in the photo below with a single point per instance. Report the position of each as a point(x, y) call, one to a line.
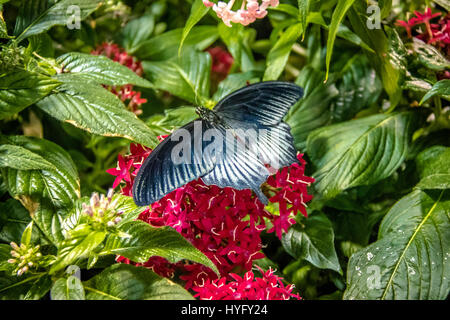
point(147, 241)
point(17, 157)
point(126, 282)
point(60, 186)
point(338, 16)
point(165, 46)
point(68, 289)
point(429, 56)
point(410, 259)
point(441, 88)
point(198, 11)
point(100, 69)
point(56, 14)
point(312, 239)
point(433, 165)
point(92, 108)
point(137, 31)
point(359, 152)
point(186, 77)
point(21, 89)
point(279, 54)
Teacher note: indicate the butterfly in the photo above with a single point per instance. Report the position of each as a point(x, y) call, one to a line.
point(233, 145)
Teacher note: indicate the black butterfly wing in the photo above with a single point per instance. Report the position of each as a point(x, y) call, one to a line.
point(159, 174)
point(263, 103)
point(237, 167)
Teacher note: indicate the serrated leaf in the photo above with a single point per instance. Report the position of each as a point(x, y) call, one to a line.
point(440, 88)
point(443, 3)
point(60, 186)
point(312, 239)
point(14, 218)
point(56, 14)
point(79, 245)
point(136, 31)
point(147, 241)
point(100, 69)
point(21, 89)
point(68, 289)
point(127, 282)
point(94, 109)
point(165, 46)
point(410, 259)
point(198, 11)
point(186, 77)
point(17, 157)
point(433, 165)
point(279, 53)
point(359, 152)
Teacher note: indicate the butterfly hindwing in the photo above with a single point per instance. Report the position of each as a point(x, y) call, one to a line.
point(237, 167)
point(263, 103)
point(159, 174)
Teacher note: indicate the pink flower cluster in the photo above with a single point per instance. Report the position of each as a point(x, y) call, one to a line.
point(249, 11)
point(225, 224)
point(248, 287)
point(131, 98)
point(437, 34)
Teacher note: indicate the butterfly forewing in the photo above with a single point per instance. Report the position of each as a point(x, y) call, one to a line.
point(263, 103)
point(165, 170)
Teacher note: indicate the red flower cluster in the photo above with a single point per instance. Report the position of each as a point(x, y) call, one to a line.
point(225, 224)
point(437, 34)
point(131, 98)
point(269, 287)
point(221, 62)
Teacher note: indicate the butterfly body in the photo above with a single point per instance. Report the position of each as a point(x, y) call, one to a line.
point(228, 146)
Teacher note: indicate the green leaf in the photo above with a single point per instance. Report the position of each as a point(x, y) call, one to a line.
point(22, 159)
point(68, 289)
point(147, 241)
point(56, 14)
point(338, 15)
point(92, 108)
point(50, 219)
point(233, 82)
point(13, 287)
point(21, 89)
point(433, 165)
point(440, 88)
point(410, 259)
point(165, 46)
point(429, 56)
point(359, 152)
point(100, 69)
point(127, 282)
point(60, 186)
point(198, 11)
point(312, 112)
point(26, 235)
point(279, 54)
point(237, 39)
point(79, 245)
point(137, 31)
point(14, 218)
point(443, 3)
point(303, 11)
point(312, 239)
point(186, 77)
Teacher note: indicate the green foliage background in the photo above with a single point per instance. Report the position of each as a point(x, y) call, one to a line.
point(374, 127)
